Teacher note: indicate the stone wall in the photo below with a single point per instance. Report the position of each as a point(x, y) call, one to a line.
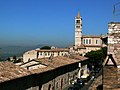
point(114, 40)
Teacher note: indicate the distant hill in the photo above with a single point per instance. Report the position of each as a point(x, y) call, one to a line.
point(9, 51)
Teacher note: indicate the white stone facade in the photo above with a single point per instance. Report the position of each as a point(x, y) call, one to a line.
point(29, 55)
point(78, 29)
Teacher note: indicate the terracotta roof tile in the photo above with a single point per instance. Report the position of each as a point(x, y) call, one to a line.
point(52, 50)
point(110, 78)
point(78, 57)
point(58, 61)
point(10, 71)
point(91, 36)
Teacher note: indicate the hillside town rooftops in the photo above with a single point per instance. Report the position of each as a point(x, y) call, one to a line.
point(10, 71)
point(35, 66)
point(58, 61)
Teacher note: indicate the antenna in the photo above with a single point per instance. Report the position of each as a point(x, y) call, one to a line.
point(116, 10)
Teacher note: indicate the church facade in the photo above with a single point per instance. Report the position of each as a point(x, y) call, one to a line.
point(85, 43)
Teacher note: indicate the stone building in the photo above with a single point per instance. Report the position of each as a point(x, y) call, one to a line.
point(43, 53)
point(114, 41)
point(41, 74)
point(111, 69)
point(84, 44)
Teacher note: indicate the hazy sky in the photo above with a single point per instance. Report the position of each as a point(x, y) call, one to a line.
point(32, 22)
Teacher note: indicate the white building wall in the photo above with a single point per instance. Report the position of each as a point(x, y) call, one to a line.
point(48, 54)
point(29, 55)
point(42, 54)
point(78, 29)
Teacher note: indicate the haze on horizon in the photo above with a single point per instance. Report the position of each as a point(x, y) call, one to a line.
point(34, 22)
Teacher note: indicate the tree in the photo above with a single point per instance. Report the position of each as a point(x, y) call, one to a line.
point(96, 57)
point(14, 57)
point(17, 61)
point(8, 59)
point(45, 47)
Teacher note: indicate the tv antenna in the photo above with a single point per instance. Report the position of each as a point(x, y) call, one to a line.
point(116, 10)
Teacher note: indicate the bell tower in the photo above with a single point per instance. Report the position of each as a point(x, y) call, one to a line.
point(78, 29)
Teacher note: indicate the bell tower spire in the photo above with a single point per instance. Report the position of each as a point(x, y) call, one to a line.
point(78, 29)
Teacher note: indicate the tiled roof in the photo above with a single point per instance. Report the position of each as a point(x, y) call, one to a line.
point(90, 36)
point(111, 78)
point(52, 50)
point(58, 61)
point(78, 57)
point(82, 46)
point(93, 45)
point(35, 63)
point(41, 70)
point(10, 71)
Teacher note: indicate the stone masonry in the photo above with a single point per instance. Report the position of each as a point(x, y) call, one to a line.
point(114, 41)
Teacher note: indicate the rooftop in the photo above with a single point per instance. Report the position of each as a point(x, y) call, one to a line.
point(78, 57)
point(111, 78)
point(82, 46)
point(35, 66)
point(93, 45)
point(52, 50)
point(58, 61)
point(91, 36)
point(10, 71)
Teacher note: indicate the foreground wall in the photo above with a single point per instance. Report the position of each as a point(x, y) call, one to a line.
point(114, 41)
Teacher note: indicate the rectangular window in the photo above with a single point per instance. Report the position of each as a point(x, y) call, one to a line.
point(86, 41)
point(40, 53)
point(89, 41)
point(96, 41)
